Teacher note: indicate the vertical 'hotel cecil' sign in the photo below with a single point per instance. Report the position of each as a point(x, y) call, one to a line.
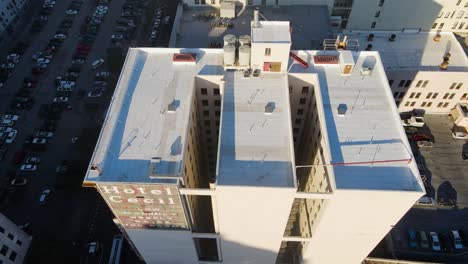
point(145, 206)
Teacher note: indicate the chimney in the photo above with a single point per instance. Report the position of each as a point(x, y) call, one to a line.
point(256, 23)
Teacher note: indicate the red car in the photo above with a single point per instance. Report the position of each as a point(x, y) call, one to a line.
point(82, 52)
point(421, 137)
point(83, 47)
point(19, 156)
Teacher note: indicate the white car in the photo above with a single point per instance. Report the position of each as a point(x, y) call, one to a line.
point(39, 141)
point(425, 201)
point(45, 193)
point(60, 36)
point(103, 74)
point(44, 134)
point(94, 94)
point(457, 241)
point(71, 12)
point(7, 122)
point(167, 19)
point(459, 135)
point(33, 160)
point(435, 241)
point(117, 36)
point(64, 89)
point(78, 61)
point(10, 117)
point(37, 55)
point(43, 61)
point(13, 56)
point(11, 136)
point(28, 167)
point(8, 65)
point(100, 84)
point(93, 248)
point(67, 83)
point(97, 63)
point(61, 99)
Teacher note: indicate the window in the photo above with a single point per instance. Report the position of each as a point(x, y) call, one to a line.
point(290, 89)
point(429, 104)
point(407, 103)
point(298, 121)
point(428, 96)
point(267, 51)
point(446, 104)
point(418, 84)
point(425, 84)
point(434, 25)
point(4, 250)
point(204, 91)
point(213, 2)
point(435, 95)
point(464, 96)
point(417, 95)
point(451, 96)
point(13, 256)
point(423, 104)
point(452, 86)
point(390, 82)
point(217, 102)
point(302, 101)
point(204, 102)
point(440, 104)
point(381, 2)
point(441, 25)
point(373, 25)
point(446, 95)
point(377, 14)
point(412, 95)
point(300, 111)
point(402, 82)
point(208, 132)
point(461, 25)
point(217, 113)
point(459, 2)
point(216, 91)
point(455, 25)
point(407, 83)
point(207, 122)
point(459, 86)
point(19, 242)
point(401, 95)
point(2, 230)
point(10, 236)
point(395, 94)
point(206, 113)
point(305, 90)
point(412, 103)
point(460, 14)
point(453, 13)
point(217, 122)
point(440, 14)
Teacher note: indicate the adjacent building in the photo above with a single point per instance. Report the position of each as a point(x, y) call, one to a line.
point(254, 153)
point(415, 15)
point(426, 70)
point(9, 10)
point(14, 242)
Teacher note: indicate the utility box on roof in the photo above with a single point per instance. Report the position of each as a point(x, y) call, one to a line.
point(227, 9)
point(346, 62)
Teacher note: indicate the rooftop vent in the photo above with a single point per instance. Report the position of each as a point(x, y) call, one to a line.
point(370, 37)
point(369, 47)
point(269, 108)
point(256, 23)
point(436, 38)
point(392, 37)
point(342, 108)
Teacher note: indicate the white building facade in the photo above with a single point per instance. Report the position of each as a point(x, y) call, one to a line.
point(14, 242)
point(9, 10)
point(303, 166)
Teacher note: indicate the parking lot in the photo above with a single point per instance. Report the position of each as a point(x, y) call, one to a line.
point(447, 185)
point(55, 89)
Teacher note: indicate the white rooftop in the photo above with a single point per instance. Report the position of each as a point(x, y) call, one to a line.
point(271, 32)
point(415, 50)
point(368, 146)
point(255, 132)
point(139, 126)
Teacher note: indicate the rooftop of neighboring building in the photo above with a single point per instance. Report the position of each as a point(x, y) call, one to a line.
point(149, 115)
point(256, 146)
point(414, 50)
point(367, 144)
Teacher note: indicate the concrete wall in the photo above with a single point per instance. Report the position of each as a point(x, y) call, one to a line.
point(255, 218)
point(158, 246)
point(15, 239)
point(353, 222)
point(279, 53)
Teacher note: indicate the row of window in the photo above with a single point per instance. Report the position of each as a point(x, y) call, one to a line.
point(452, 14)
point(11, 236)
point(305, 89)
point(216, 102)
point(4, 252)
point(204, 91)
point(454, 25)
point(428, 104)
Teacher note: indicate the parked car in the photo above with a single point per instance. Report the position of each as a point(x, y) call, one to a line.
point(94, 94)
point(19, 156)
point(459, 135)
point(456, 238)
point(61, 99)
point(412, 241)
point(19, 182)
point(426, 201)
point(43, 198)
point(435, 242)
point(33, 160)
point(28, 167)
point(424, 144)
point(44, 134)
point(445, 201)
point(39, 141)
point(423, 241)
point(97, 63)
point(10, 117)
point(420, 136)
